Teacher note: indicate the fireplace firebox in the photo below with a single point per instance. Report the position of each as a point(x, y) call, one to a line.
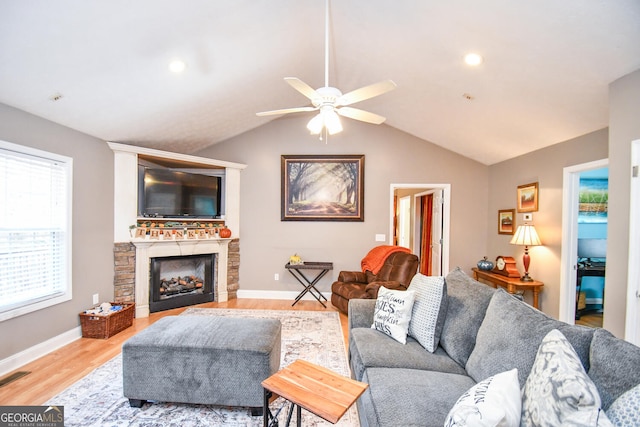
point(179, 281)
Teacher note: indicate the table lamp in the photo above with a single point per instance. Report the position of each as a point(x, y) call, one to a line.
point(526, 236)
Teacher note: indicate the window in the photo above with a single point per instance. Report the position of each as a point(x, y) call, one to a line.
point(35, 229)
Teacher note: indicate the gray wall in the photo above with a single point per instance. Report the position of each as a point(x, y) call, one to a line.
point(545, 167)
point(624, 127)
point(92, 226)
point(391, 156)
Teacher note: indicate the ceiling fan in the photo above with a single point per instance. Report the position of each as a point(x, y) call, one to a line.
point(329, 101)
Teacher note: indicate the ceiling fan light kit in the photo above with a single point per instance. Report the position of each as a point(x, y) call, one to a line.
point(330, 102)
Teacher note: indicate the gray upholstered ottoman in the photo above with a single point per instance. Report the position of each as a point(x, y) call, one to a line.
point(202, 359)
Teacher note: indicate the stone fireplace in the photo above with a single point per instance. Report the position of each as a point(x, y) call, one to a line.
point(133, 267)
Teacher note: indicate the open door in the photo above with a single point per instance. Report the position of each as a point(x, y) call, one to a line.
point(429, 224)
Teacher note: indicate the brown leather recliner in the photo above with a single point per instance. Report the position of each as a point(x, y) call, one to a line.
point(396, 273)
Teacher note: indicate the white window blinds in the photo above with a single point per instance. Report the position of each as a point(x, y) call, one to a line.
point(35, 196)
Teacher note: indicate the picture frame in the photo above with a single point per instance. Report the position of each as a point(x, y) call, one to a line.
point(528, 197)
point(506, 221)
point(322, 187)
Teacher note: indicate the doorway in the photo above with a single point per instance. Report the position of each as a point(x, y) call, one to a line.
point(431, 247)
point(632, 323)
point(574, 226)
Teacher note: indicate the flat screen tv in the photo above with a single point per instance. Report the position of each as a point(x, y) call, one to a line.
point(165, 193)
point(592, 248)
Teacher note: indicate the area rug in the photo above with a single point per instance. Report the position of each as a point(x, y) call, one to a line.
point(97, 399)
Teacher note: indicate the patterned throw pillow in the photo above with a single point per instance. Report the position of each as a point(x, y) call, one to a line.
point(558, 390)
point(625, 410)
point(490, 403)
point(429, 310)
point(393, 312)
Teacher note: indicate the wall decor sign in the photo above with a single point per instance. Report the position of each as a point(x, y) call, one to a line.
point(322, 188)
point(506, 221)
point(528, 197)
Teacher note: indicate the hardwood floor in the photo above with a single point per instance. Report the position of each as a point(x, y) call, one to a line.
point(56, 371)
point(592, 320)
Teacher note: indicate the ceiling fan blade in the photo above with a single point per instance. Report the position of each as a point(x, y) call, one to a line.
point(286, 111)
point(366, 92)
point(363, 116)
point(302, 87)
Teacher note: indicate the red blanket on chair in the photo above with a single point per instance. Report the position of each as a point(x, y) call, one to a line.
point(376, 257)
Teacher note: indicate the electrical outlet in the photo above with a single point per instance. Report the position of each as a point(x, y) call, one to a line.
point(276, 276)
point(380, 237)
point(96, 298)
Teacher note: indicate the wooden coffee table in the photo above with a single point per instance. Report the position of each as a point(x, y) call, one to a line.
point(312, 387)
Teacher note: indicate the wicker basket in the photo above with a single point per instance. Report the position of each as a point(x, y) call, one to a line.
point(95, 326)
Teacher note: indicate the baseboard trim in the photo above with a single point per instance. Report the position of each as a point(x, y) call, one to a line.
point(284, 295)
point(17, 360)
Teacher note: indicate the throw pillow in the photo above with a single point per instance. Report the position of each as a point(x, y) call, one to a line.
point(625, 410)
point(429, 310)
point(558, 388)
point(393, 312)
point(492, 402)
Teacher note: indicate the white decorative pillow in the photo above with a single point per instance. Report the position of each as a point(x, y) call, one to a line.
point(429, 310)
point(558, 386)
point(625, 410)
point(393, 312)
point(490, 403)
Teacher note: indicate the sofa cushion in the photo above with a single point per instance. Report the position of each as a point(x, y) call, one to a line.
point(371, 348)
point(467, 301)
point(558, 389)
point(508, 338)
point(625, 410)
point(614, 366)
point(492, 402)
point(429, 310)
point(409, 397)
point(393, 313)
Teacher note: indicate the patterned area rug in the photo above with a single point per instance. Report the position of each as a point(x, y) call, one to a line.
point(97, 399)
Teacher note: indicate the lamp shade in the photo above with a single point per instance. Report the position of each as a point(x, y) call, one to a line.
point(526, 235)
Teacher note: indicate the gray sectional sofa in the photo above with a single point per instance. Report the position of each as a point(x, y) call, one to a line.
point(484, 332)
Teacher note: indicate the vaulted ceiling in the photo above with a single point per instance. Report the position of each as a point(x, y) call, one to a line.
point(101, 67)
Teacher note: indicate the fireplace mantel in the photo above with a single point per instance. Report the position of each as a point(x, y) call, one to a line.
point(147, 249)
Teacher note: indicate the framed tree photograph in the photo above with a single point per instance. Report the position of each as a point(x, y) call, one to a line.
point(322, 188)
point(506, 221)
point(528, 197)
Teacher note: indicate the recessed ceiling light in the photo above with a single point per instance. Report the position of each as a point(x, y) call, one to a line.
point(473, 59)
point(177, 66)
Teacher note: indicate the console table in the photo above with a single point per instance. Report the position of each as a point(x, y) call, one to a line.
point(309, 284)
point(511, 284)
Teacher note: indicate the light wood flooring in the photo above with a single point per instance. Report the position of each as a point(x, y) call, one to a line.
point(56, 371)
point(592, 320)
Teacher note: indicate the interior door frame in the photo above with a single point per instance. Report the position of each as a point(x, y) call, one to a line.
point(632, 329)
point(446, 213)
point(569, 252)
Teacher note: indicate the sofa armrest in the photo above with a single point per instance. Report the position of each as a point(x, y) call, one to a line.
point(372, 288)
point(352, 277)
point(361, 313)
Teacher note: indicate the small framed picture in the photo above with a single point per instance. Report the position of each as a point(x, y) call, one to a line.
point(506, 221)
point(528, 197)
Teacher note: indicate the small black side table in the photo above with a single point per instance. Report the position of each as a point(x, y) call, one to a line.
point(309, 285)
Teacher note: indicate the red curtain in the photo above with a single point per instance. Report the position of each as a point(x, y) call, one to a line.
point(425, 237)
